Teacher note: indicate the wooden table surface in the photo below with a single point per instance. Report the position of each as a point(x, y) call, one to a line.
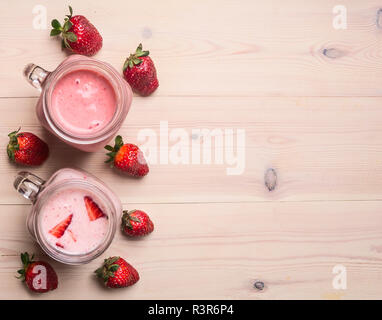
point(310, 100)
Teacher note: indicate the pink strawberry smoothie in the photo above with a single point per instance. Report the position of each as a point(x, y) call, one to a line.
point(83, 102)
point(80, 234)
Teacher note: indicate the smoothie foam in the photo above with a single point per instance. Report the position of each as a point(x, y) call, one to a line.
point(83, 102)
point(82, 234)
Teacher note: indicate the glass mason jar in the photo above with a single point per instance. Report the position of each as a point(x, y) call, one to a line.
point(46, 81)
point(45, 194)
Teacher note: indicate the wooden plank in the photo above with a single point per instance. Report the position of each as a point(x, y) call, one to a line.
point(214, 47)
point(223, 248)
point(321, 149)
point(223, 64)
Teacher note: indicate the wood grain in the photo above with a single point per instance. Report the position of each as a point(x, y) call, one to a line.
point(215, 47)
point(309, 99)
point(291, 247)
point(321, 148)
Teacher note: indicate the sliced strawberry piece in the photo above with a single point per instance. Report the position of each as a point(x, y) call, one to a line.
point(72, 235)
point(59, 229)
point(59, 245)
point(94, 211)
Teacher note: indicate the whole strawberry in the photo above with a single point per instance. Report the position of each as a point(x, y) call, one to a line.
point(127, 158)
point(78, 34)
point(117, 273)
point(136, 223)
point(26, 148)
point(38, 275)
point(140, 72)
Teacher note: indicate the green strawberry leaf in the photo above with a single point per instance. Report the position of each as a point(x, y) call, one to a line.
point(56, 24)
point(112, 260)
point(137, 61)
point(135, 219)
point(143, 54)
point(71, 37)
point(67, 26)
point(133, 59)
point(13, 133)
point(128, 224)
point(99, 271)
point(140, 53)
point(114, 267)
point(118, 141)
point(127, 218)
point(65, 43)
point(24, 258)
point(21, 273)
point(126, 64)
point(54, 32)
point(11, 154)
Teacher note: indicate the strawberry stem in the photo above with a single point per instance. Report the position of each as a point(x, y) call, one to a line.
point(13, 144)
point(127, 217)
point(64, 30)
point(108, 269)
point(134, 59)
point(26, 260)
point(70, 12)
point(118, 143)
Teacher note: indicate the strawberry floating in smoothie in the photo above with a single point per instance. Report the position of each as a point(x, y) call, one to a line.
point(73, 221)
point(94, 212)
point(59, 230)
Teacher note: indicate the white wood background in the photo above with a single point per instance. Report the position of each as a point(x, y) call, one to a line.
point(253, 65)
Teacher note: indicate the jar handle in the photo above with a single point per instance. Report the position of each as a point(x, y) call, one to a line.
point(28, 184)
point(35, 75)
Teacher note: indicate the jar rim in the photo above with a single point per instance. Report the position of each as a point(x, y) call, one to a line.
point(120, 90)
point(65, 257)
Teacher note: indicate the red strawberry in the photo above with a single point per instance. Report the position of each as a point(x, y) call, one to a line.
point(78, 34)
point(59, 245)
point(117, 273)
point(72, 235)
point(128, 158)
point(59, 230)
point(26, 148)
point(136, 223)
point(94, 211)
point(38, 275)
point(140, 72)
